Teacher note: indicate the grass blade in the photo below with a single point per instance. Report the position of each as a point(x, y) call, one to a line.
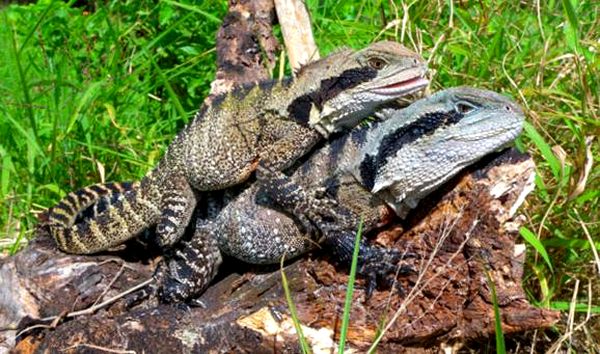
point(35, 27)
point(500, 342)
point(571, 26)
point(22, 81)
point(207, 15)
point(544, 148)
point(350, 289)
point(579, 307)
point(288, 297)
point(172, 95)
point(535, 242)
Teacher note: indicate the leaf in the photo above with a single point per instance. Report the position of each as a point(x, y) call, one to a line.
point(571, 25)
point(165, 14)
point(535, 242)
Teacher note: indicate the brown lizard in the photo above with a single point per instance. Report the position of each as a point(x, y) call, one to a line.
point(272, 123)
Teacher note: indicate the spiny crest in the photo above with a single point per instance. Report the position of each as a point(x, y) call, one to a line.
point(388, 47)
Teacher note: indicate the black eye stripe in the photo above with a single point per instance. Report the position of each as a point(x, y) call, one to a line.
point(299, 109)
point(396, 140)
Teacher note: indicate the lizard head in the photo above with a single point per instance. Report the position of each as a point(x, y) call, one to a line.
point(416, 149)
point(354, 83)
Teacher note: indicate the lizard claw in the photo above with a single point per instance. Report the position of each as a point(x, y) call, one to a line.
point(148, 292)
point(311, 208)
point(380, 266)
point(266, 173)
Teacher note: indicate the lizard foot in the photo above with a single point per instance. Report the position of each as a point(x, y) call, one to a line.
point(380, 266)
point(311, 208)
point(164, 287)
point(377, 265)
point(140, 296)
point(149, 291)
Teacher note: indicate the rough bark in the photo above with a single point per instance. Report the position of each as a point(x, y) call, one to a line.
point(464, 234)
point(246, 46)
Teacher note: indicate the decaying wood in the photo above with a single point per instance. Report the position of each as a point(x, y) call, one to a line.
point(246, 46)
point(464, 234)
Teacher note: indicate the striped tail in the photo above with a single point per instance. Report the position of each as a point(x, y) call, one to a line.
point(86, 203)
point(102, 216)
point(163, 198)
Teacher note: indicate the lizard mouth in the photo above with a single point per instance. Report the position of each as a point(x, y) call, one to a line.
point(403, 87)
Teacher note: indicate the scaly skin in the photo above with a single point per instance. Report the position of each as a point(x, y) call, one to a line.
point(393, 163)
point(270, 123)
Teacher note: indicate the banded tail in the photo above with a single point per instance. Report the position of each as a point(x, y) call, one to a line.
point(79, 222)
point(86, 203)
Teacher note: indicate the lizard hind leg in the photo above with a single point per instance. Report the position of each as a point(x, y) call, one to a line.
point(190, 267)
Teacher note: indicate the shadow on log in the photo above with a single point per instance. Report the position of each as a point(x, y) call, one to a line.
point(460, 234)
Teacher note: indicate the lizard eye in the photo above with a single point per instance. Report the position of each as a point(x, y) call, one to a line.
point(377, 63)
point(463, 107)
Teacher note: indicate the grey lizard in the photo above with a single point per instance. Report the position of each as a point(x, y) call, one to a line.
point(391, 163)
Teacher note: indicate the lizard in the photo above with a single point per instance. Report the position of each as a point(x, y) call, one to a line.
point(371, 173)
point(367, 172)
point(270, 123)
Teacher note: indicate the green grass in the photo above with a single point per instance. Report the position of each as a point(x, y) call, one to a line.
point(499, 334)
point(91, 94)
point(350, 289)
point(303, 343)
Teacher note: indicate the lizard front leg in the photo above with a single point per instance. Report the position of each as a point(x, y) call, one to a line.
point(337, 226)
point(293, 141)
